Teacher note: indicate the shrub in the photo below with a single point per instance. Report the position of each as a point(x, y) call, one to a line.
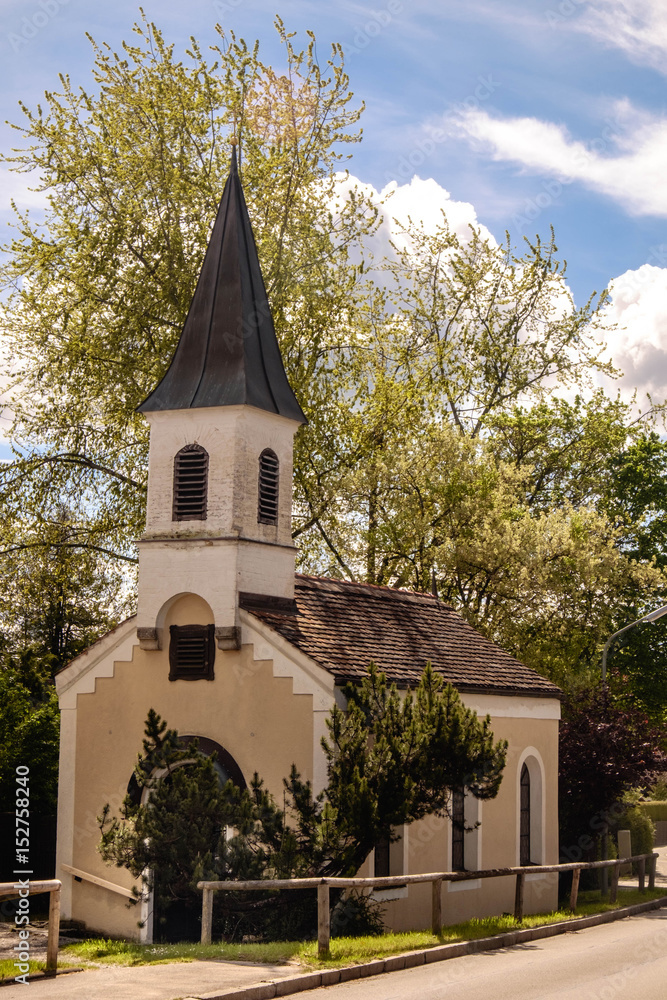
point(638, 822)
point(658, 792)
point(357, 914)
point(654, 810)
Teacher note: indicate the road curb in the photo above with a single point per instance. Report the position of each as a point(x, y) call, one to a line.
point(440, 953)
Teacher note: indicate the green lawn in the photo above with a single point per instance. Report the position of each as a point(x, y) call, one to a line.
point(344, 951)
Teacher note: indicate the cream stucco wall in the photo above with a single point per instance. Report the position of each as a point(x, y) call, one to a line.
point(267, 707)
point(428, 846)
point(266, 722)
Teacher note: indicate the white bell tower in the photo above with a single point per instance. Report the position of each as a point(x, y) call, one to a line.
point(222, 421)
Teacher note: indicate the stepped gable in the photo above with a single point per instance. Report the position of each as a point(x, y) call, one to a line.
point(345, 626)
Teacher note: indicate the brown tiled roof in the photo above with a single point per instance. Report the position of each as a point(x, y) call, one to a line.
point(345, 626)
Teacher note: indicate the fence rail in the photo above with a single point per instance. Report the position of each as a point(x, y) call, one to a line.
point(53, 887)
point(82, 876)
point(324, 884)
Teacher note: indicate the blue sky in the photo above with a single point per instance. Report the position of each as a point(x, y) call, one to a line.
point(528, 113)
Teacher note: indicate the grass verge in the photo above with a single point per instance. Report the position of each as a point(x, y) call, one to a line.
point(8, 971)
point(344, 951)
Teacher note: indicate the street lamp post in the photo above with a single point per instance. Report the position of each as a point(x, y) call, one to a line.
point(652, 616)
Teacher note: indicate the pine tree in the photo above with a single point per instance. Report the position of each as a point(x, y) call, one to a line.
point(391, 760)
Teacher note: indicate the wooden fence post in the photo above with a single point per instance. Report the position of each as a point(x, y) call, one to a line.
point(651, 871)
point(323, 921)
point(436, 910)
point(54, 931)
point(518, 896)
point(641, 868)
point(206, 915)
point(616, 871)
point(574, 891)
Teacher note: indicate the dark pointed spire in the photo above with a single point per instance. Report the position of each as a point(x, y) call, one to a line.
point(228, 352)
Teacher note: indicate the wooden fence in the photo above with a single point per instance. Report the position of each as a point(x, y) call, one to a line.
point(323, 885)
point(53, 887)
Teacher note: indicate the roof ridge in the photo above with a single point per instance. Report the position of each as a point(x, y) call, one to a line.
point(395, 591)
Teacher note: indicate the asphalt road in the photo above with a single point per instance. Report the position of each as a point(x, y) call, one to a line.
point(625, 960)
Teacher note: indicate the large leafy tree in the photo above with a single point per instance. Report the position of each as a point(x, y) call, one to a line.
point(520, 545)
point(29, 727)
point(635, 500)
point(463, 472)
point(490, 328)
point(439, 454)
point(390, 760)
point(100, 289)
point(635, 497)
point(463, 334)
point(605, 749)
point(58, 598)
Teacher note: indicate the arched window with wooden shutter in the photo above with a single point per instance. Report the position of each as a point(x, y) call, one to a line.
point(267, 508)
point(190, 484)
point(458, 830)
point(525, 818)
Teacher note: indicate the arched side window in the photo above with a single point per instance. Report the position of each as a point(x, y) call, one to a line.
point(267, 507)
point(381, 862)
point(524, 820)
point(464, 852)
point(224, 764)
point(390, 858)
point(458, 830)
point(531, 809)
point(190, 484)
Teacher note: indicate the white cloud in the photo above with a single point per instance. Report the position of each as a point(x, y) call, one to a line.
point(638, 344)
point(13, 187)
point(638, 28)
point(423, 201)
point(17, 187)
point(635, 318)
point(627, 159)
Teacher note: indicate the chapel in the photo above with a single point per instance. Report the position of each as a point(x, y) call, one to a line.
point(233, 647)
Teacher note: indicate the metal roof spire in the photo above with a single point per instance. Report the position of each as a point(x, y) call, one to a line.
point(228, 352)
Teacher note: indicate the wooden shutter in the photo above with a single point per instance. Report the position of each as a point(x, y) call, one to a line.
point(190, 484)
point(267, 510)
point(191, 652)
point(524, 826)
point(381, 867)
point(458, 830)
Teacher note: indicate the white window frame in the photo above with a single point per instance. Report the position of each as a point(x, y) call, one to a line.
point(532, 758)
point(398, 865)
point(472, 851)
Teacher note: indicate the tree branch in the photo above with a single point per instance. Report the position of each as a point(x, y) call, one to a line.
point(73, 459)
point(337, 555)
point(68, 545)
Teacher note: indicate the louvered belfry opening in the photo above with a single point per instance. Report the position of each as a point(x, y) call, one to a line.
point(267, 511)
point(191, 652)
point(190, 484)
